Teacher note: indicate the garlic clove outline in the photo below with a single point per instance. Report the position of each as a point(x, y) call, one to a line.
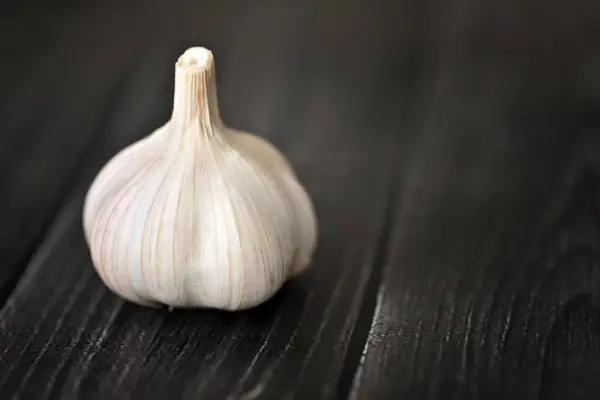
point(198, 214)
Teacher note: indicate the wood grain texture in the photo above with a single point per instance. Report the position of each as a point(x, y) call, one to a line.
point(491, 286)
point(451, 148)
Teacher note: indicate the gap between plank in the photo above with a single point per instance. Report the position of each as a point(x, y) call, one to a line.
point(360, 334)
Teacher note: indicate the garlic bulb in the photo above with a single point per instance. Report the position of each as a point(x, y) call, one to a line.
point(197, 214)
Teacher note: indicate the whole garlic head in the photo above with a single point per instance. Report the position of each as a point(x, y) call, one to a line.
point(197, 214)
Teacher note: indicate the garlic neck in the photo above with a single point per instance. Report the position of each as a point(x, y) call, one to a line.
point(195, 107)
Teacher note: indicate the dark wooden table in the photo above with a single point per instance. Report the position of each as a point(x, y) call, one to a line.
point(452, 149)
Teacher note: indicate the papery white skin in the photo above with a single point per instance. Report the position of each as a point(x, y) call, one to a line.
point(197, 214)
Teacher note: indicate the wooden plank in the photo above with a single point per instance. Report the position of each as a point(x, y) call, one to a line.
point(57, 96)
point(321, 91)
point(491, 285)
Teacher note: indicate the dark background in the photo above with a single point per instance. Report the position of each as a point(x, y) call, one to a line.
point(452, 149)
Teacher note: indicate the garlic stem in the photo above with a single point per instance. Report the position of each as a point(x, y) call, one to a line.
point(195, 99)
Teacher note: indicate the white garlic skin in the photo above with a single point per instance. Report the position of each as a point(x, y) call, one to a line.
point(197, 214)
